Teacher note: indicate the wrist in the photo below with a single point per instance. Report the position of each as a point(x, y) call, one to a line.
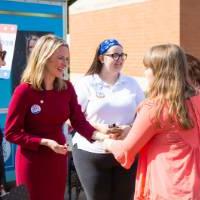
point(44, 142)
point(103, 128)
point(99, 136)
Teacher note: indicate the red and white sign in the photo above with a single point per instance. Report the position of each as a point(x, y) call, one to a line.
point(8, 34)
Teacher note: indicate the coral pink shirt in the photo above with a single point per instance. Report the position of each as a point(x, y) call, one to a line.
point(169, 161)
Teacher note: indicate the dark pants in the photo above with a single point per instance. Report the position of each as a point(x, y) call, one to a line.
point(102, 177)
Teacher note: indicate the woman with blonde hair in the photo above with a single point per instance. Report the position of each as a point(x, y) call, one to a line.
point(166, 132)
point(38, 109)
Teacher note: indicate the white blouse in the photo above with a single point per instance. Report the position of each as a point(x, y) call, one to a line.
point(106, 104)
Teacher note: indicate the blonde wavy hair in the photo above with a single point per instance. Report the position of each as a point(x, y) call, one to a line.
point(170, 86)
point(35, 69)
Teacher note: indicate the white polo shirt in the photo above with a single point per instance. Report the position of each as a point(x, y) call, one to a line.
point(106, 104)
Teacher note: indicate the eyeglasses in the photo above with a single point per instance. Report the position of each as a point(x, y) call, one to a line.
point(116, 56)
point(3, 55)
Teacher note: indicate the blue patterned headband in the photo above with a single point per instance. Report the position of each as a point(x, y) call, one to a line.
point(106, 44)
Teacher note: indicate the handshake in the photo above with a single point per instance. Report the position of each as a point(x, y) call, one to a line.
point(102, 132)
point(111, 132)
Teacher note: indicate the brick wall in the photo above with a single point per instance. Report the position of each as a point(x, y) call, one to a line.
point(137, 26)
point(190, 26)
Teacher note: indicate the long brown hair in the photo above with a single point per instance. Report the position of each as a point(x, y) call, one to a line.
point(96, 65)
point(169, 66)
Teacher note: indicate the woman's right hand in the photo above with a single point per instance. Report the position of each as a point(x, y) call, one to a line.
point(107, 131)
point(54, 146)
point(115, 131)
point(97, 135)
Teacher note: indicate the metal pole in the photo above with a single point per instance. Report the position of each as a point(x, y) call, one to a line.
point(65, 20)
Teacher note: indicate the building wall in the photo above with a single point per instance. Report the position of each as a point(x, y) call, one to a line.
point(190, 26)
point(138, 26)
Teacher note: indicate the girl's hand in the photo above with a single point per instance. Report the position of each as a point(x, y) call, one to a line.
point(107, 129)
point(125, 131)
point(115, 133)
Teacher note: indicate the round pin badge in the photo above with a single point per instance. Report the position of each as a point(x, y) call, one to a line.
point(35, 109)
